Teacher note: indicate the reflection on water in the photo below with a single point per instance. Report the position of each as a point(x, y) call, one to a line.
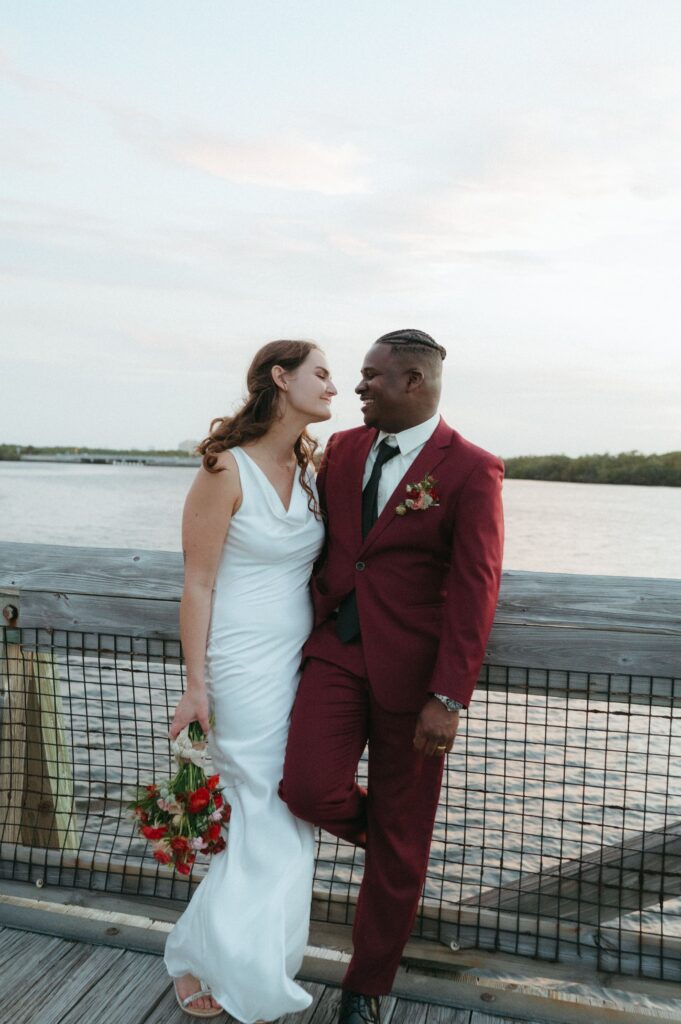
point(550, 527)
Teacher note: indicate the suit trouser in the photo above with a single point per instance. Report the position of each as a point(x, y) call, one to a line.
point(334, 716)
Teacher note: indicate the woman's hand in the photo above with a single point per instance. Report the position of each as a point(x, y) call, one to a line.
point(192, 707)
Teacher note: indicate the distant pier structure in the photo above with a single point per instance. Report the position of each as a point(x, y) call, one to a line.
point(109, 459)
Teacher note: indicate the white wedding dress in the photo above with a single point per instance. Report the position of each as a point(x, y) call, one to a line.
point(245, 930)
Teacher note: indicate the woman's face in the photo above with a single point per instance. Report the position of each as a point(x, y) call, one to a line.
point(309, 389)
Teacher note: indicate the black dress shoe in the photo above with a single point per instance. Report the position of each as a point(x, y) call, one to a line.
point(358, 1009)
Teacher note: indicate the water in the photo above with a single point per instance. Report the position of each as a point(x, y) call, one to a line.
point(550, 527)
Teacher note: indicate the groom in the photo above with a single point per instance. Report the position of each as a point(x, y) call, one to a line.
point(404, 602)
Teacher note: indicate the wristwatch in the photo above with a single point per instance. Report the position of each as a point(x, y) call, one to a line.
point(451, 705)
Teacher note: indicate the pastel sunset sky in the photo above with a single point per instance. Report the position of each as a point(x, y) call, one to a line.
point(185, 181)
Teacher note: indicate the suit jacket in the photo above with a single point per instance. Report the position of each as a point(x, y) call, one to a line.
point(426, 582)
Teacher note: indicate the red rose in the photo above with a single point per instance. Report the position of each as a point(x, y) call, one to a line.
point(149, 832)
point(219, 845)
point(184, 869)
point(151, 790)
point(213, 781)
point(226, 812)
point(179, 844)
point(198, 800)
point(162, 856)
point(212, 833)
point(217, 800)
point(141, 814)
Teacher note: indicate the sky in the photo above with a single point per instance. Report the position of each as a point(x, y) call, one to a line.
point(183, 182)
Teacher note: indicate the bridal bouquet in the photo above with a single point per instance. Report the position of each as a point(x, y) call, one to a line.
point(184, 816)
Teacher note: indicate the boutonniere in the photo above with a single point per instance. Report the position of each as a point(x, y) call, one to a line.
point(421, 496)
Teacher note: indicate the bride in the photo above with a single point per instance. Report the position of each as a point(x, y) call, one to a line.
point(251, 531)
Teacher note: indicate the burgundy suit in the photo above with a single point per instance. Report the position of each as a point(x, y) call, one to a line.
point(426, 584)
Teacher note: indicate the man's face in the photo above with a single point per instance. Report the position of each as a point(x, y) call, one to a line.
point(383, 390)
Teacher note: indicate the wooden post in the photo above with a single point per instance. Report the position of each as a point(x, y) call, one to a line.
point(36, 776)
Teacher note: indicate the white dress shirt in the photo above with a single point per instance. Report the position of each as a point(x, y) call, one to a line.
point(410, 442)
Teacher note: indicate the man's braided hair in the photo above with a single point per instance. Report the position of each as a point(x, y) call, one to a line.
point(411, 340)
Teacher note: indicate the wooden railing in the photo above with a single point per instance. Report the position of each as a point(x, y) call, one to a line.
point(607, 646)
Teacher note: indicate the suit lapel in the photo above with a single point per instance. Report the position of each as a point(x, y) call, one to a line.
point(425, 462)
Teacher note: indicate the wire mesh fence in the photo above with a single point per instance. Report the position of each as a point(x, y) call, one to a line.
point(558, 833)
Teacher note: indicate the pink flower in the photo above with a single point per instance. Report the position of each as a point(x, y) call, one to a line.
point(422, 496)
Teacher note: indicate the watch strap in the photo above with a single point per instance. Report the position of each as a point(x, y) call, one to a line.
point(449, 703)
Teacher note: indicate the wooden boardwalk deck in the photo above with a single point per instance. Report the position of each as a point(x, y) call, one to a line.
point(48, 980)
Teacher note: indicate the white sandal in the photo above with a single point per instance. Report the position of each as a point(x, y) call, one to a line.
point(185, 1004)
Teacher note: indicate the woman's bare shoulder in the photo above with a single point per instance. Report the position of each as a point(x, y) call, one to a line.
point(221, 482)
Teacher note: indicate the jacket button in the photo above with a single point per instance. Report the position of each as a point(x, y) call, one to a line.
point(359, 566)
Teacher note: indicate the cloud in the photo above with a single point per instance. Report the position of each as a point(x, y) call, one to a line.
point(295, 164)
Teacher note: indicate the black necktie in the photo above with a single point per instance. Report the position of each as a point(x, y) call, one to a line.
point(384, 453)
point(347, 623)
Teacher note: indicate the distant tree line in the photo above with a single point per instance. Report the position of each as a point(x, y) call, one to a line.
point(625, 468)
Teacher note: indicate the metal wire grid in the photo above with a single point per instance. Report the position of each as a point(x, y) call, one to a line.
point(559, 825)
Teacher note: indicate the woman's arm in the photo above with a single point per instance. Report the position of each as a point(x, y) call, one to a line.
point(212, 501)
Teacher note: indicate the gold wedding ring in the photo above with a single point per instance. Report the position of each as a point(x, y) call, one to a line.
point(443, 746)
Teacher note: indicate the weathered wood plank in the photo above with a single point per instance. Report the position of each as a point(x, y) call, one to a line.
point(318, 993)
point(13, 743)
point(446, 1015)
point(443, 1000)
point(18, 974)
point(132, 616)
point(131, 986)
point(581, 623)
point(644, 871)
point(54, 992)
point(114, 572)
point(487, 1018)
point(582, 649)
point(48, 817)
point(617, 602)
point(503, 1001)
point(632, 603)
point(328, 1006)
point(13, 944)
point(407, 1012)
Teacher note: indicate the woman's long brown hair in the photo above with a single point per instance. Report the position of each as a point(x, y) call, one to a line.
point(261, 409)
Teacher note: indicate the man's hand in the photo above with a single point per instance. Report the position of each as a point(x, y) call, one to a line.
point(435, 729)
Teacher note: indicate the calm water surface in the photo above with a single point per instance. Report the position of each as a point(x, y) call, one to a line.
point(550, 527)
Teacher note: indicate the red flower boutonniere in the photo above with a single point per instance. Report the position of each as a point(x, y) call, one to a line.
point(421, 496)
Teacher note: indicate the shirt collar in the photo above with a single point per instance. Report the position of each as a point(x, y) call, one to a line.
point(411, 438)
